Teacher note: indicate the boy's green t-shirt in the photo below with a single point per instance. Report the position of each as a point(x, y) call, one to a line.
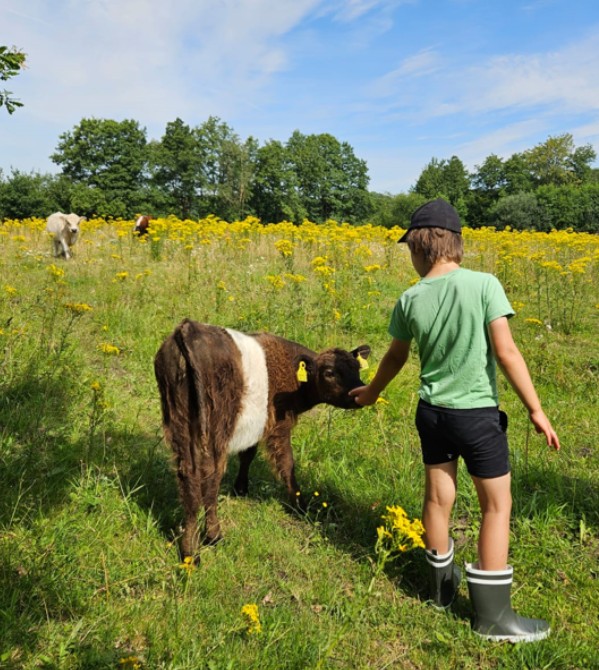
point(447, 316)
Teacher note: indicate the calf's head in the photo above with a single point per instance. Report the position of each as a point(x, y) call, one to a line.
point(72, 222)
point(333, 373)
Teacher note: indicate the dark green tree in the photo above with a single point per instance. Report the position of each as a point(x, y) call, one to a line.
point(520, 211)
point(275, 195)
point(176, 169)
point(488, 185)
point(23, 195)
point(332, 183)
point(108, 160)
point(557, 161)
point(396, 210)
point(213, 141)
point(570, 206)
point(448, 179)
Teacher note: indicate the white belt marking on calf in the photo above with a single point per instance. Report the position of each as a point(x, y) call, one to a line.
point(251, 421)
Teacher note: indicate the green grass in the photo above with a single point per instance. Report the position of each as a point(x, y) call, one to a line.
point(90, 575)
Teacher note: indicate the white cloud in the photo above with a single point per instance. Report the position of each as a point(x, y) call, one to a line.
point(148, 59)
point(563, 80)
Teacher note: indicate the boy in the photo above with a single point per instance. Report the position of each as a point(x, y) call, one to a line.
point(459, 320)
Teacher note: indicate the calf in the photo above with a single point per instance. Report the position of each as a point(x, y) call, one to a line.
point(222, 392)
point(65, 229)
point(141, 225)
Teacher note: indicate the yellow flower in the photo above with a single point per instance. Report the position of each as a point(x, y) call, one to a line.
point(78, 307)
point(252, 616)
point(399, 534)
point(109, 349)
point(188, 565)
point(276, 281)
point(121, 276)
point(56, 272)
point(285, 247)
point(11, 290)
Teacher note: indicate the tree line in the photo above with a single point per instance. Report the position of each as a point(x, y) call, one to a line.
point(109, 168)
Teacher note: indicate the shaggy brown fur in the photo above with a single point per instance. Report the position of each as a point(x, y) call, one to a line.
point(200, 378)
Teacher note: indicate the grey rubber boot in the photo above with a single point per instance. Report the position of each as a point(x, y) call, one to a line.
point(494, 619)
point(444, 577)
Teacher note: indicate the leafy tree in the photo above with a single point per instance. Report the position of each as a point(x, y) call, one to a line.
point(275, 195)
point(443, 178)
point(238, 162)
point(331, 181)
point(12, 61)
point(213, 141)
point(396, 210)
point(110, 159)
point(556, 161)
point(520, 211)
point(488, 184)
point(580, 163)
point(518, 176)
point(570, 206)
point(177, 168)
point(23, 195)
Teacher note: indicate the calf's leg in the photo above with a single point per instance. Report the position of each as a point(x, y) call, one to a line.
point(241, 486)
point(190, 490)
point(281, 455)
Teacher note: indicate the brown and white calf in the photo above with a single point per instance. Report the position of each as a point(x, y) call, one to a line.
point(65, 231)
point(141, 225)
point(222, 392)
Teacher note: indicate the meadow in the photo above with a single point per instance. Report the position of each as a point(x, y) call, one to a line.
point(90, 574)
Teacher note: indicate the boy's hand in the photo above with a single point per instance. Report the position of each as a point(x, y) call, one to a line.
point(363, 396)
point(542, 425)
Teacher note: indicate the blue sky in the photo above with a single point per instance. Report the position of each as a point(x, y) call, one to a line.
point(402, 81)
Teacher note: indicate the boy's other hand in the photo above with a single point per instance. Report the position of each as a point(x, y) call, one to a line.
point(542, 425)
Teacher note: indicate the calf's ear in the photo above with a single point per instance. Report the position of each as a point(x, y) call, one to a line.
point(363, 351)
point(304, 368)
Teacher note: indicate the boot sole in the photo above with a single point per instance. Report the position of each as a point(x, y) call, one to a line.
point(528, 637)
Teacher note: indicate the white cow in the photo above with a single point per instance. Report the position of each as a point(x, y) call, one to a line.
point(65, 228)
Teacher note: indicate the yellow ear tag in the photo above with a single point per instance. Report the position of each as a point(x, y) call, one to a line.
point(302, 375)
point(363, 362)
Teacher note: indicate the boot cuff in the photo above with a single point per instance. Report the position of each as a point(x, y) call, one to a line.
point(477, 576)
point(440, 560)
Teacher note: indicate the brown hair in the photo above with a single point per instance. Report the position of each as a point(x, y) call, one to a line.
point(435, 244)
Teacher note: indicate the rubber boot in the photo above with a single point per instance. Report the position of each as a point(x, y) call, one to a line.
point(444, 577)
point(494, 619)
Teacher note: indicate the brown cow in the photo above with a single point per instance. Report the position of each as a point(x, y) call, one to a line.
point(141, 225)
point(223, 391)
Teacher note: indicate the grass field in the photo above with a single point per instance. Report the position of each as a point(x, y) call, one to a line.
point(90, 575)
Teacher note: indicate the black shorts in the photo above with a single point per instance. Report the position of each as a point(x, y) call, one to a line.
point(477, 435)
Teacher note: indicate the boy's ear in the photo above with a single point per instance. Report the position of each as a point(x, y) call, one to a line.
point(304, 367)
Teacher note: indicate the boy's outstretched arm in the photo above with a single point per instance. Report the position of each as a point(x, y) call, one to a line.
point(391, 363)
point(513, 366)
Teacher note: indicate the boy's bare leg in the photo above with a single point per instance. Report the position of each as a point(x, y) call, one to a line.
point(495, 500)
point(439, 497)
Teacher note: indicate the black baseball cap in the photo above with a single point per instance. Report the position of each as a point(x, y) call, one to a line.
point(435, 214)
